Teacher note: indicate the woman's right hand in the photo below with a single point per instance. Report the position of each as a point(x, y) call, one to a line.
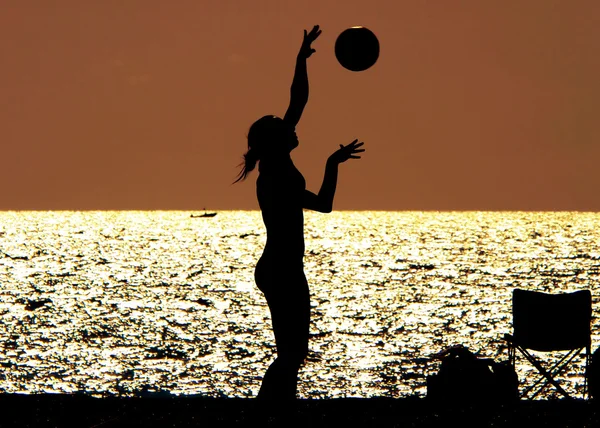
point(306, 50)
point(346, 152)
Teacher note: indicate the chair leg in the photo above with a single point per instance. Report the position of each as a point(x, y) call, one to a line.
point(558, 367)
point(553, 372)
point(511, 355)
point(548, 375)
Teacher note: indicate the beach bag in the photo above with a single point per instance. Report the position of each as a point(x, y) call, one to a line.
point(464, 377)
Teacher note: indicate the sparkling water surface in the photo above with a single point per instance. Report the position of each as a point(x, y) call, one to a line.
point(133, 302)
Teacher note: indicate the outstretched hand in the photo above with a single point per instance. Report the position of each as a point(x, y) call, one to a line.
point(347, 152)
point(306, 50)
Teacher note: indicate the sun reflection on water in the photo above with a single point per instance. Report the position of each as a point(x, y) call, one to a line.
point(137, 302)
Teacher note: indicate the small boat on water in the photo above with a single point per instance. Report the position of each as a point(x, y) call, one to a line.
point(203, 215)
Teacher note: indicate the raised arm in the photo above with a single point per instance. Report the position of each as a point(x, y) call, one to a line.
point(299, 90)
point(323, 202)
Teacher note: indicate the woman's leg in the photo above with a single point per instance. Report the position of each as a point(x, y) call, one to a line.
point(289, 302)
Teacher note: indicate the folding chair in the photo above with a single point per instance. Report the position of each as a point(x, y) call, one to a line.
point(545, 322)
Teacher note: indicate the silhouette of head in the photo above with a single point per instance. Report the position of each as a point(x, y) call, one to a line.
point(270, 137)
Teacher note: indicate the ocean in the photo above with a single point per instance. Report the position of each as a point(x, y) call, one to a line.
point(156, 302)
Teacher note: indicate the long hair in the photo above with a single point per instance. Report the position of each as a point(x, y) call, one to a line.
point(261, 135)
point(249, 163)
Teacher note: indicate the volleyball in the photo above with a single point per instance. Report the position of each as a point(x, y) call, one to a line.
point(357, 48)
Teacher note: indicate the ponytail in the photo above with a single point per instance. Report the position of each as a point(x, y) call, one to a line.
point(250, 160)
point(260, 140)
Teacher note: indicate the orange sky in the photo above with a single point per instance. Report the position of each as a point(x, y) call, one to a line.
point(483, 105)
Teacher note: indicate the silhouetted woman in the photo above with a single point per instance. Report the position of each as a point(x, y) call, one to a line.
point(282, 195)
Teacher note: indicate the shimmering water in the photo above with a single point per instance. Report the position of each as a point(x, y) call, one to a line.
point(136, 302)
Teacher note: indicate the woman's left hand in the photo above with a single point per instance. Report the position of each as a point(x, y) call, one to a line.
point(306, 50)
point(347, 152)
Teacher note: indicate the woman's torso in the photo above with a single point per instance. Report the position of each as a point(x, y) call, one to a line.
point(280, 191)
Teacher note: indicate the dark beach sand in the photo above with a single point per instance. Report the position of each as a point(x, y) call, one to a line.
point(56, 410)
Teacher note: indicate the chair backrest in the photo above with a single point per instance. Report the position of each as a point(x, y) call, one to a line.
point(552, 322)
